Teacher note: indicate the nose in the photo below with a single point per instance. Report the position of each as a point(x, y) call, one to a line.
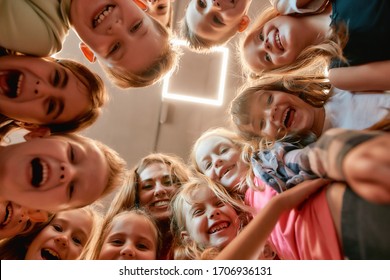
point(159, 189)
point(62, 241)
point(216, 3)
point(128, 252)
point(67, 172)
point(37, 216)
point(213, 213)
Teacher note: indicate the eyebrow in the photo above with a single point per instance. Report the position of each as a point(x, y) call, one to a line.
point(65, 78)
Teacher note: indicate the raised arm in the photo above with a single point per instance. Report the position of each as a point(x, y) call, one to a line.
point(372, 76)
point(249, 243)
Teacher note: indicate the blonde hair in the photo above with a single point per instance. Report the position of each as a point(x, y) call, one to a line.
point(166, 62)
point(128, 196)
point(187, 248)
point(230, 135)
point(312, 57)
point(94, 246)
point(314, 90)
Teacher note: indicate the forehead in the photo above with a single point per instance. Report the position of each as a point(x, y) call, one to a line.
point(125, 222)
point(154, 170)
point(199, 21)
point(209, 143)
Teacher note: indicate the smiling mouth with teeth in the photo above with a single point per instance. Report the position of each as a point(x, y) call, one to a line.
point(39, 172)
point(101, 16)
point(49, 254)
point(8, 215)
point(218, 227)
point(278, 42)
point(288, 117)
point(10, 83)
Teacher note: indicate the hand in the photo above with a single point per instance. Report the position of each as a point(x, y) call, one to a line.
point(367, 169)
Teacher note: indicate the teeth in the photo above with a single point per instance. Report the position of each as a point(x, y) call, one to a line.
point(285, 116)
point(102, 15)
point(45, 172)
point(218, 227)
point(8, 214)
point(161, 203)
point(50, 254)
point(19, 85)
point(277, 39)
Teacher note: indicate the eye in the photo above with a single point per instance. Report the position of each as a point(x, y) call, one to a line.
point(167, 182)
point(142, 246)
point(76, 240)
point(116, 242)
point(51, 106)
point(270, 99)
point(147, 187)
point(136, 27)
point(57, 228)
point(262, 124)
point(261, 36)
point(71, 190)
point(28, 226)
point(56, 78)
point(71, 153)
point(114, 48)
point(202, 4)
point(217, 20)
point(161, 7)
point(207, 165)
point(197, 212)
point(224, 150)
point(220, 203)
point(268, 57)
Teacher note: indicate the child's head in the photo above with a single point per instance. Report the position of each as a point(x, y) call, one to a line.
point(209, 23)
point(58, 93)
point(133, 48)
point(204, 213)
point(151, 185)
point(283, 44)
point(273, 108)
point(58, 172)
point(17, 220)
point(217, 154)
point(129, 235)
point(64, 237)
point(161, 10)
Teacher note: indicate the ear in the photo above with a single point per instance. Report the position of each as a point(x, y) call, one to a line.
point(141, 5)
point(37, 132)
point(184, 236)
point(87, 52)
point(244, 23)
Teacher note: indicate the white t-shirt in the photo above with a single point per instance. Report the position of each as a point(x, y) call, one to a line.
point(355, 110)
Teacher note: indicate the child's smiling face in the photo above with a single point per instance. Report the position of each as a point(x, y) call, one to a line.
point(119, 33)
point(39, 91)
point(53, 173)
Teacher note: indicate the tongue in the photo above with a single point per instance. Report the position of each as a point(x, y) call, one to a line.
point(9, 83)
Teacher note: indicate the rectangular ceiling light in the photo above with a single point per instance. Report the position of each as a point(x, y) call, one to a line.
point(216, 99)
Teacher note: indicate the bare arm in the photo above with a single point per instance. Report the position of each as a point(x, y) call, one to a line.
point(249, 243)
point(372, 76)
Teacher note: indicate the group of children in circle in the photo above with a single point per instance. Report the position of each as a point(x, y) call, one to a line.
point(249, 192)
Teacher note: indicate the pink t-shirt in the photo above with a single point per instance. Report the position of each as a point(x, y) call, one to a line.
point(301, 234)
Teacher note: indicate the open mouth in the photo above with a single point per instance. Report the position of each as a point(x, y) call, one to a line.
point(10, 83)
point(218, 227)
point(8, 215)
point(278, 42)
point(226, 171)
point(102, 15)
point(288, 117)
point(49, 254)
point(39, 172)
